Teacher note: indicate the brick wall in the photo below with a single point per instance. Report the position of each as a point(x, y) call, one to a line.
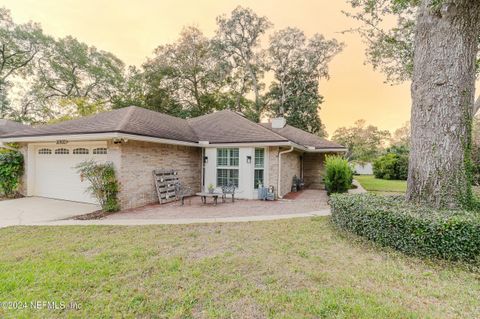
point(139, 159)
point(290, 166)
point(273, 167)
point(22, 189)
point(313, 170)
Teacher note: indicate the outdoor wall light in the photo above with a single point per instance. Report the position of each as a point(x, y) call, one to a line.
point(205, 159)
point(249, 159)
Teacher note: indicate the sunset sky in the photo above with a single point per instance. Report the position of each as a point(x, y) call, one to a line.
point(132, 29)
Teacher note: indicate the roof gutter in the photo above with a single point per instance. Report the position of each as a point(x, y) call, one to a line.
point(280, 168)
point(95, 137)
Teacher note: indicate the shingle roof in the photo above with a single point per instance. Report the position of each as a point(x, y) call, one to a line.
point(303, 138)
point(131, 120)
point(220, 127)
point(7, 126)
point(229, 127)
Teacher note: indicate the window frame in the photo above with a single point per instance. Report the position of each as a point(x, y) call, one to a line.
point(228, 162)
point(81, 151)
point(257, 167)
point(44, 151)
point(62, 151)
point(100, 151)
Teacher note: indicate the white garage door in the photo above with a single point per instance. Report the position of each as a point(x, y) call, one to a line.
point(55, 172)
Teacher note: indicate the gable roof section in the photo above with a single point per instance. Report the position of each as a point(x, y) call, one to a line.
point(303, 138)
point(129, 120)
point(7, 126)
point(229, 127)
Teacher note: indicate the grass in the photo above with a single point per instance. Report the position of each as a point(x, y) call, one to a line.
point(372, 184)
point(299, 268)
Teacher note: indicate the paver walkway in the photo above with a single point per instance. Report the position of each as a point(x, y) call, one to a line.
point(307, 203)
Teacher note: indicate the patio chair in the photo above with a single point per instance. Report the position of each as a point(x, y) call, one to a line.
point(182, 191)
point(228, 190)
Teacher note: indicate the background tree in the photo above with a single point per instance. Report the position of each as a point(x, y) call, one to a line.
point(298, 65)
point(71, 74)
point(191, 71)
point(19, 45)
point(401, 136)
point(364, 142)
point(238, 36)
point(435, 42)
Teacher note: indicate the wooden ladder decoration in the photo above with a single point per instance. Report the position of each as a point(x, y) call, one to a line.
point(165, 180)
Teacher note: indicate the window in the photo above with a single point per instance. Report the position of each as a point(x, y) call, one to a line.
point(227, 166)
point(62, 151)
point(258, 178)
point(100, 150)
point(44, 151)
point(80, 151)
point(227, 157)
point(258, 175)
point(227, 177)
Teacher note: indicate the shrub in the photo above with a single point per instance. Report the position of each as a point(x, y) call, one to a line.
point(391, 166)
point(103, 183)
point(338, 175)
point(413, 229)
point(11, 170)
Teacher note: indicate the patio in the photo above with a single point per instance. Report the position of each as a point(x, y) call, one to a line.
point(294, 203)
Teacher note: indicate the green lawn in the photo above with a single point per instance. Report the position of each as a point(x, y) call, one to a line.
point(299, 268)
point(372, 184)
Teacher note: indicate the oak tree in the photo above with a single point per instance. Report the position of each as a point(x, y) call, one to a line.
point(435, 43)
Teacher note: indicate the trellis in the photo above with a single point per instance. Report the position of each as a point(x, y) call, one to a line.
point(165, 181)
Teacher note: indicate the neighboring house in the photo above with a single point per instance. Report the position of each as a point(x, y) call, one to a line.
point(363, 168)
point(219, 148)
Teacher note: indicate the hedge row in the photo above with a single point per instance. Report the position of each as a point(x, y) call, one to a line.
point(413, 229)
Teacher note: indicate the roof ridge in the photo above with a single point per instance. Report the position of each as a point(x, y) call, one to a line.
point(126, 118)
point(299, 129)
point(259, 125)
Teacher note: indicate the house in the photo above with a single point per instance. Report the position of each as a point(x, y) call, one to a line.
point(219, 148)
point(8, 127)
point(363, 168)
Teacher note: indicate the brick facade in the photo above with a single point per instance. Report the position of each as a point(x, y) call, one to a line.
point(313, 170)
point(22, 188)
point(291, 166)
point(139, 159)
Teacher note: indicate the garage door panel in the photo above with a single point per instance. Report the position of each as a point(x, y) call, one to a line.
point(56, 175)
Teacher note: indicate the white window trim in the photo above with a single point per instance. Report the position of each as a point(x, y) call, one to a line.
point(263, 168)
point(217, 167)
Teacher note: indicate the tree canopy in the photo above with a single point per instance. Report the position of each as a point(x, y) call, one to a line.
point(44, 79)
point(364, 142)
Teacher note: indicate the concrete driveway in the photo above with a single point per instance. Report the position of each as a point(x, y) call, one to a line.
point(35, 210)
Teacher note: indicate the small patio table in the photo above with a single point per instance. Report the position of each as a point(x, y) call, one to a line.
point(204, 196)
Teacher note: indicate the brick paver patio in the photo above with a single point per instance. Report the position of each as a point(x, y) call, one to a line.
point(302, 202)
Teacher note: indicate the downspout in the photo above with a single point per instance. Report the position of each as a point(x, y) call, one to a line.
point(280, 169)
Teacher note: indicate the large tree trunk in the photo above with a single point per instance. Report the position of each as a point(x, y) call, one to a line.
point(443, 88)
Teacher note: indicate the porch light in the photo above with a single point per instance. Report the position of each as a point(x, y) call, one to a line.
point(249, 159)
point(205, 159)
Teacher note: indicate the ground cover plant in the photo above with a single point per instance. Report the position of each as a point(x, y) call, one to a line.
point(410, 228)
point(298, 268)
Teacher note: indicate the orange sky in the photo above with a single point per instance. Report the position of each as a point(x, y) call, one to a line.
point(131, 29)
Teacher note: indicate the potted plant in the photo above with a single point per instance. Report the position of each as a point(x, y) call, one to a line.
point(211, 188)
